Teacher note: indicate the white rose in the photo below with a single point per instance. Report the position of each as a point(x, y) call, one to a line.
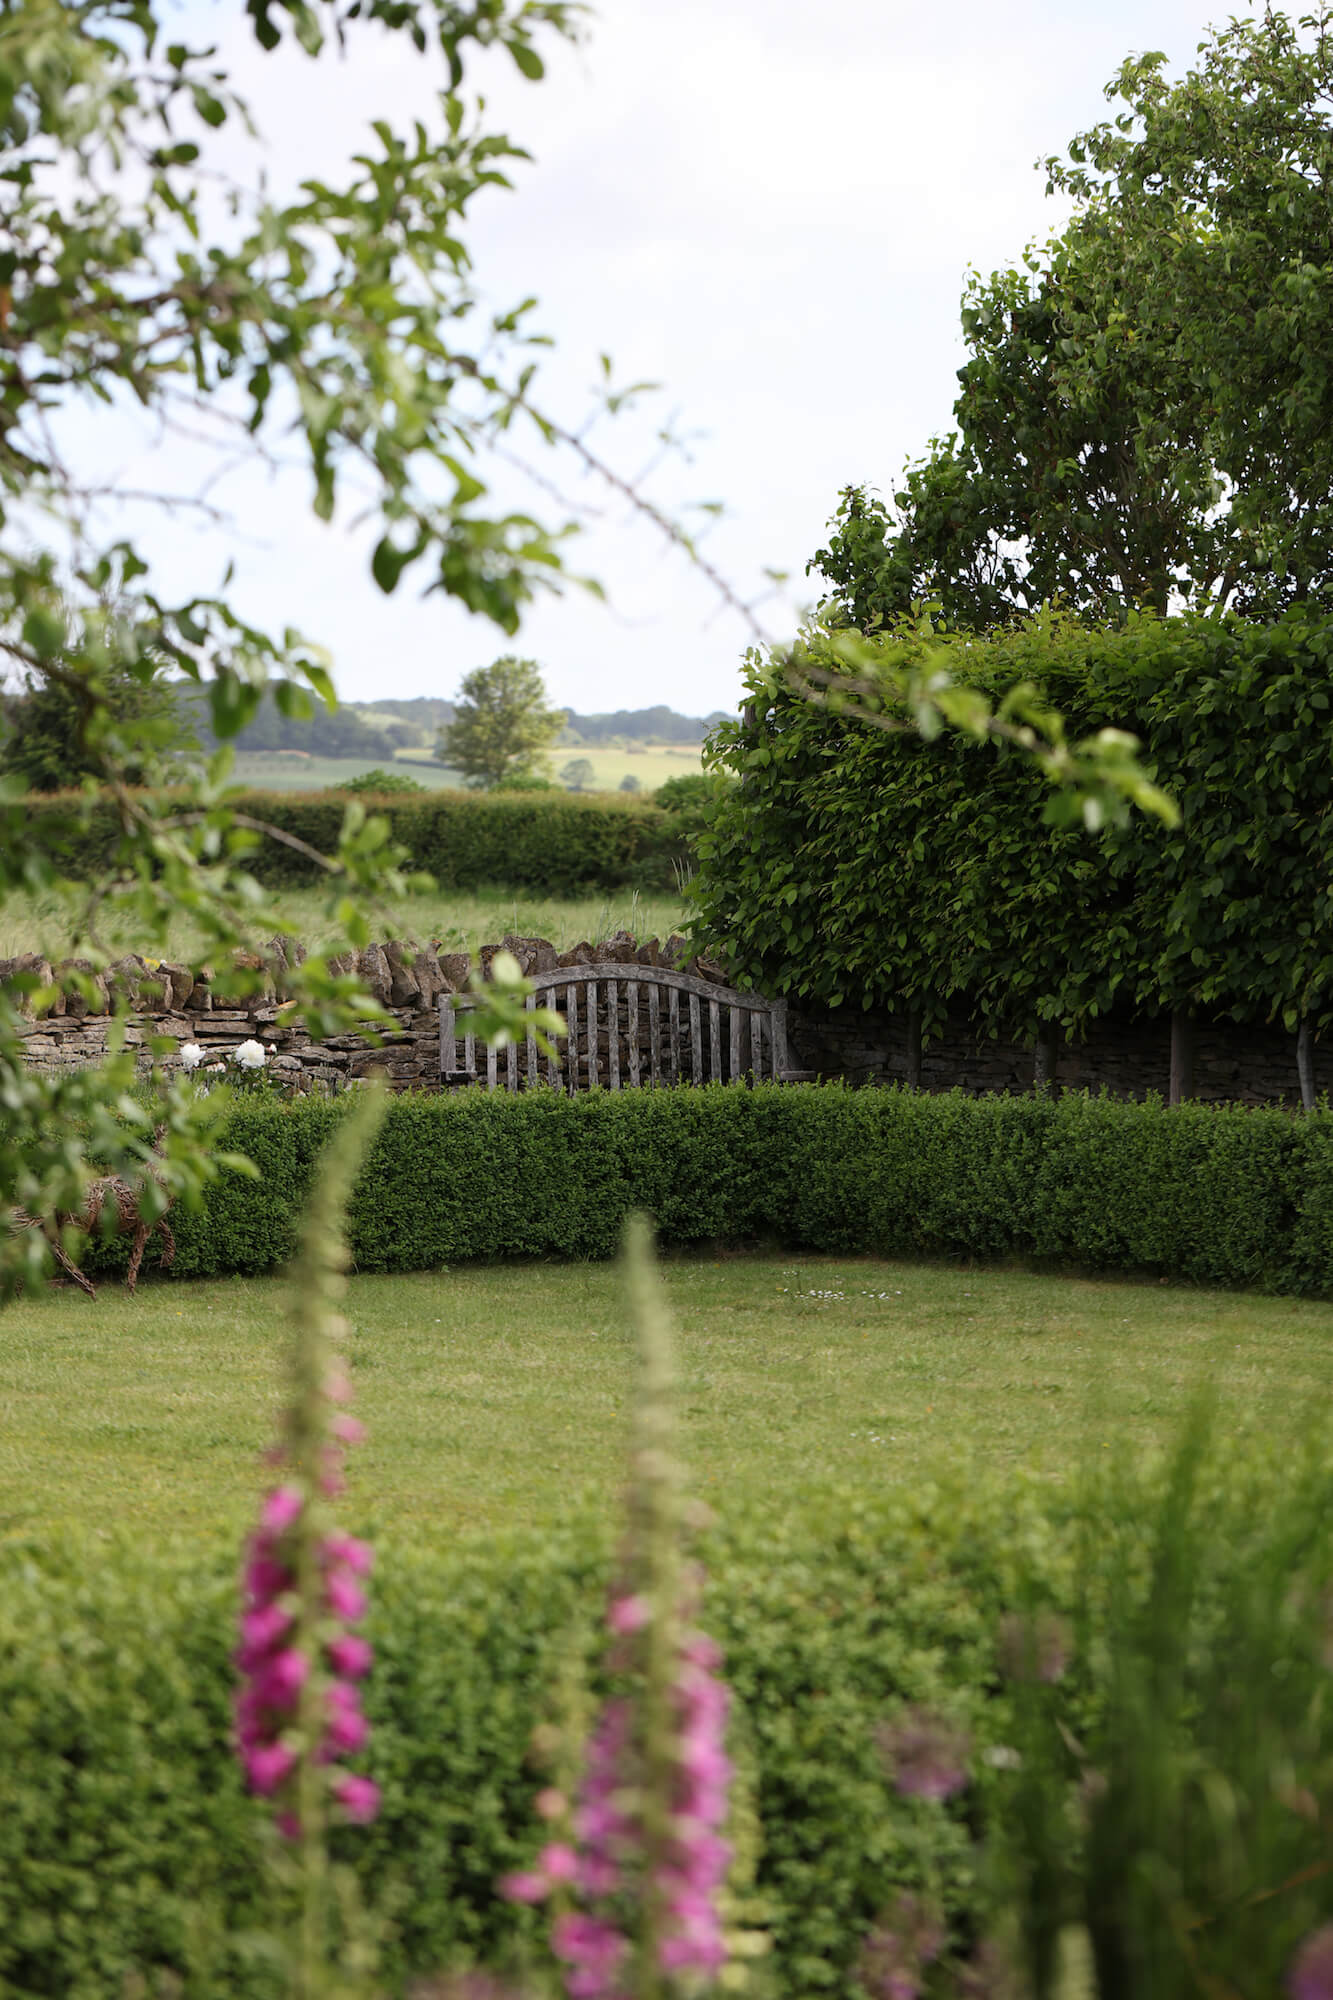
point(191, 1055)
point(250, 1055)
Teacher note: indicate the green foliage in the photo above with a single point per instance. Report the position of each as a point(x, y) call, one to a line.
point(322, 732)
point(128, 1846)
point(1176, 1822)
point(55, 734)
point(1145, 408)
point(501, 724)
point(1217, 1196)
point(859, 864)
point(578, 774)
point(384, 783)
point(528, 781)
point(631, 783)
point(558, 845)
point(319, 321)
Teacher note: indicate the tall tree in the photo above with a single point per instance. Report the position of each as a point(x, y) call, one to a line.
point(502, 724)
point(1146, 412)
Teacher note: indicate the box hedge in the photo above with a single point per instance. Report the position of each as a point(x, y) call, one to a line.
point(130, 1861)
point(554, 843)
point(1223, 1196)
point(128, 1847)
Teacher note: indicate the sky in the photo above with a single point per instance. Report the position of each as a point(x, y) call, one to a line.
point(765, 206)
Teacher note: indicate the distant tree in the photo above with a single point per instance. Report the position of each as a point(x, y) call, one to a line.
point(629, 783)
point(54, 733)
point(502, 724)
point(404, 737)
point(578, 773)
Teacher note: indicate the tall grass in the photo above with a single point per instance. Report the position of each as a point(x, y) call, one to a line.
point(458, 920)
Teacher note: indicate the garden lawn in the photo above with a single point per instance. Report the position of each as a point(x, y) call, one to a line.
point(497, 1395)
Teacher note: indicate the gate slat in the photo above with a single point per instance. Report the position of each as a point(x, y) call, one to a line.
point(696, 1042)
point(591, 994)
point(572, 1038)
point(531, 1005)
point(613, 1036)
point(655, 1033)
point(715, 1040)
point(632, 1010)
point(469, 1052)
point(492, 1067)
point(448, 1041)
point(735, 1014)
point(757, 1045)
point(673, 1015)
point(511, 1066)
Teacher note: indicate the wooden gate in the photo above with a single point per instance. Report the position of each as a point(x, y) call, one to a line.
point(626, 1026)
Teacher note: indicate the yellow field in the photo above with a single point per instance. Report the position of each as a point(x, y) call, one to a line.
point(651, 763)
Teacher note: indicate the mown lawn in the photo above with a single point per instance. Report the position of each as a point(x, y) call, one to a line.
point(498, 1395)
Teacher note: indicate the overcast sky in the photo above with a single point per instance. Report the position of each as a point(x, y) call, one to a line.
point(769, 207)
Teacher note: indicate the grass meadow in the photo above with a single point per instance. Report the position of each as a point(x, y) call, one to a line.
point(461, 921)
point(294, 771)
point(496, 1396)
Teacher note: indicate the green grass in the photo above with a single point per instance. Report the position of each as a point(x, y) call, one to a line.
point(461, 921)
point(497, 1396)
point(293, 771)
point(651, 763)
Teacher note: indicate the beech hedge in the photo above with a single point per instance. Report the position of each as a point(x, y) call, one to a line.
point(553, 842)
point(1214, 1195)
point(850, 865)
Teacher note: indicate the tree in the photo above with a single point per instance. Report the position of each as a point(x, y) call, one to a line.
point(578, 773)
point(1146, 414)
point(629, 783)
point(502, 724)
point(343, 323)
point(55, 734)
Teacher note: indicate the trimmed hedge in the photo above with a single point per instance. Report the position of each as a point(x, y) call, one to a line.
point(552, 842)
point(128, 1845)
point(129, 1858)
point(1214, 1195)
point(854, 865)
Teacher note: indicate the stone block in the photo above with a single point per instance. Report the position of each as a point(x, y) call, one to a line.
point(404, 984)
point(376, 974)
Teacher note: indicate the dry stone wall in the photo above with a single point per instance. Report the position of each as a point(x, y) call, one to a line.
point(184, 1005)
point(1129, 1057)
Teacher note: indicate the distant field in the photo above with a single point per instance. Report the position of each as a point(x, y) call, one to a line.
point(651, 763)
point(289, 771)
point(461, 922)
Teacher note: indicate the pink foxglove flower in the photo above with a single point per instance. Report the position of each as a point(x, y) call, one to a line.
point(638, 1885)
point(302, 1587)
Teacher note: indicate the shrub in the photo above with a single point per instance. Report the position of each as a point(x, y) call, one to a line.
point(1214, 1195)
point(384, 783)
point(559, 843)
point(127, 1847)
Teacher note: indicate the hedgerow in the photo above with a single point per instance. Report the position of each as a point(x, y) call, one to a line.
point(1216, 1195)
point(848, 865)
point(553, 842)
